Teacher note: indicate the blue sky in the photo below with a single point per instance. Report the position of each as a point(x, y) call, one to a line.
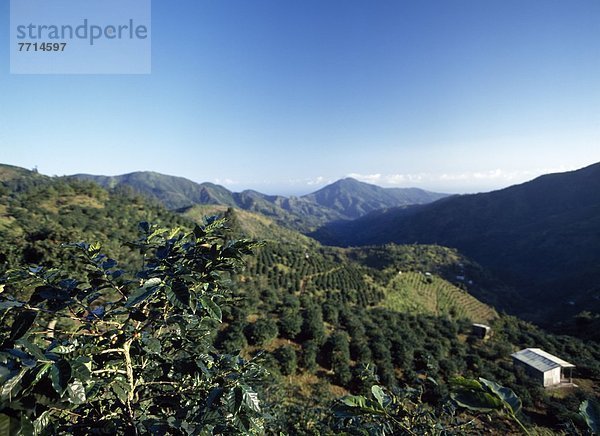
point(285, 96)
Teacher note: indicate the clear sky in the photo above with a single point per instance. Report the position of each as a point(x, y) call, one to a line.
point(284, 96)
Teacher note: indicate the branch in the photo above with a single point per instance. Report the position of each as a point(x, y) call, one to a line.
point(110, 371)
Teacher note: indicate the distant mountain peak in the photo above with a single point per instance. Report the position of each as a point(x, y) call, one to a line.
point(353, 198)
point(541, 235)
point(346, 198)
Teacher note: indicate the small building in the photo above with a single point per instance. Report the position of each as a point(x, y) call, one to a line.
point(544, 367)
point(481, 331)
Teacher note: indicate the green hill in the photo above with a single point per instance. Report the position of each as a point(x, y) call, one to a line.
point(353, 199)
point(173, 192)
point(299, 263)
point(11, 173)
point(325, 316)
point(345, 199)
point(417, 292)
point(541, 237)
point(39, 213)
point(180, 193)
point(249, 224)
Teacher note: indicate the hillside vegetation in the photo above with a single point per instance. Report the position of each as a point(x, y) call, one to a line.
point(427, 294)
point(39, 213)
point(541, 237)
point(342, 200)
point(325, 321)
point(251, 224)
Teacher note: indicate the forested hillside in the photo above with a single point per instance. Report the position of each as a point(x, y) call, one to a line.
point(324, 321)
point(342, 200)
point(39, 213)
point(541, 237)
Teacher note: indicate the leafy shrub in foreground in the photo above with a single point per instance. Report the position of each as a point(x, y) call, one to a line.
point(105, 352)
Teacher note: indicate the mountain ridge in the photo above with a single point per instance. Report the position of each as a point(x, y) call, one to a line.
point(342, 195)
point(541, 235)
point(342, 200)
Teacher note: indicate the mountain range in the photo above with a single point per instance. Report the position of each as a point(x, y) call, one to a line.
point(345, 199)
point(542, 236)
point(319, 315)
point(65, 209)
point(539, 239)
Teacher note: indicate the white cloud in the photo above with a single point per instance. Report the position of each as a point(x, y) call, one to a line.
point(317, 181)
point(495, 177)
point(226, 182)
point(368, 178)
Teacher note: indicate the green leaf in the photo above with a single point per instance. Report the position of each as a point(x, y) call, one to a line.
point(505, 394)
point(142, 294)
point(251, 398)
point(63, 349)
point(5, 425)
point(11, 384)
point(76, 392)
point(362, 405)
point(22, 324)
point(238, 397)
point(4, 373)
point(9, 304)
point(432, 381)
point(41, 372)
point(42, 422)
point(82, 368)
point(378, 394)
point(152, 282)
point(60, 374)
point(355, 401)
point(121, 388)
point(157, 231)
point(465, 383)
point(214, 311)
point(110, 263)
point(174, 232)
point(179, 294)
point(94, 248)
point(152, 345)
point(33, 349)
point(590, 411)
point(199, 232)
point(243, 423)
point(26, 426)
point(477, 401)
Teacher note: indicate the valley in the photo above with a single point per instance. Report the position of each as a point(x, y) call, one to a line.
point(327, 320)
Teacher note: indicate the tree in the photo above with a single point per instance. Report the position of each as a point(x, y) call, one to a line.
point(261, 331)
point(312, 327)
point(290, 323)
point(127, 354)
point(232, 339)
point(309, 355)
point(286, 356)
point(338, 357)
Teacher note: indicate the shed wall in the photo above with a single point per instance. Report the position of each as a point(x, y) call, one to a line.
point(552, 377)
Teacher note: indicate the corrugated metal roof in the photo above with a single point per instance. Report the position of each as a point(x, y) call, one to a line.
point(540, 360)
